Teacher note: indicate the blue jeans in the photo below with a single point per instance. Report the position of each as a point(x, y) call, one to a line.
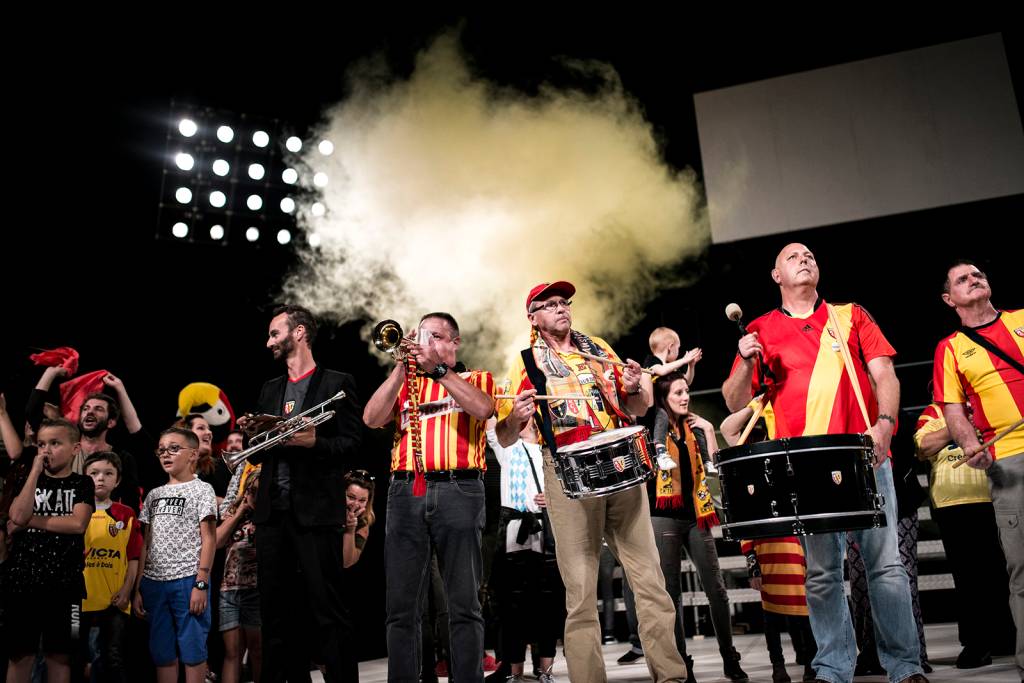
point(450, 517)
point(889, 588)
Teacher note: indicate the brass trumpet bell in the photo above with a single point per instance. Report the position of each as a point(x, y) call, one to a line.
point(387, 336)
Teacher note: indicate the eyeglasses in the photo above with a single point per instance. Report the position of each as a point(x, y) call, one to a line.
point(552, 306)
point(173, 449)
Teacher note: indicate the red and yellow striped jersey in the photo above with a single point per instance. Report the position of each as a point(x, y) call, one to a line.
point(452, 438)
point(965, 371)
point(112, 539)
point(812, 393)
point(783, 574)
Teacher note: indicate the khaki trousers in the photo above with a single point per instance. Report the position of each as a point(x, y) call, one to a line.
point(624, 521)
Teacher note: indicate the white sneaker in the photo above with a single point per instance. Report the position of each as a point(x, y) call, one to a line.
point(666, 463)
point(545, 677)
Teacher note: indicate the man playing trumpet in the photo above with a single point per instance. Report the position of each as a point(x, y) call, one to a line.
point(436, 494)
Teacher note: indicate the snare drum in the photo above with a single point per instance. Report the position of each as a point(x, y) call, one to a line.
point(799, 486)
point(605, 463)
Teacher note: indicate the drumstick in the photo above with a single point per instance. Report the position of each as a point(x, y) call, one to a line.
point(753, 420)
point(991, 441)
point(547, 397)
point(609, 361)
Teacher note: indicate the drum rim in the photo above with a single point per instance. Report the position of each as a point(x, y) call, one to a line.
point(621, 486)
point(792, 444)
point(760, 456)
point(802, 518)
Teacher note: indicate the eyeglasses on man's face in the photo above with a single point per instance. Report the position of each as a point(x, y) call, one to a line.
point(552, 306)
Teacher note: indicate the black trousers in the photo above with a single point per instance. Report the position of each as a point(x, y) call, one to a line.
point(976, 560)
point(113, 665)
point(301, 601)
point(531, 602)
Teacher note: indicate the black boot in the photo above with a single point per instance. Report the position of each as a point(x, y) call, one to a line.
point(690, 678)
point(731, 666)
point(780, 675)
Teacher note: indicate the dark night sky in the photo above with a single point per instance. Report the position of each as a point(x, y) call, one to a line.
point(83, 268)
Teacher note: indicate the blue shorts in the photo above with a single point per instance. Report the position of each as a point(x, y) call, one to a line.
point(239, 607)
point(172, 628)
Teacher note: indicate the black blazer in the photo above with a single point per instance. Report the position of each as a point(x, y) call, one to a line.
point(317, 473)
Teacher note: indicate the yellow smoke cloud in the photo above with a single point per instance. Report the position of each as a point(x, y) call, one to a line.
point(448, 193)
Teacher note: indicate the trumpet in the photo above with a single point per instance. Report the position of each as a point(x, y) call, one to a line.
point(388, 337)
point(267, 431)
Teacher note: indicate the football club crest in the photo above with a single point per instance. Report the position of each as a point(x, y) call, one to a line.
point(114, 527)
point(837, 477)
point(750, 489)
point(619, 463)
point(289, 407)
point(1019, 331)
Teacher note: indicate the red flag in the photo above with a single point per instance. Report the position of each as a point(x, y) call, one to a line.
point(62, 356)
point(74, 391)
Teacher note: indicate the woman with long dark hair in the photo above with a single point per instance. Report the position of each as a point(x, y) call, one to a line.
point(683, 514)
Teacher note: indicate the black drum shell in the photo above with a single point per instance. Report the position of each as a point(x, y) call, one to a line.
point(798, 486)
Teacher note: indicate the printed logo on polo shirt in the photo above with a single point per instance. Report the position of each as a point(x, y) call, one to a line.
point(170, 506)
point(969, 352)
point(807, 328)
point(1019, 331)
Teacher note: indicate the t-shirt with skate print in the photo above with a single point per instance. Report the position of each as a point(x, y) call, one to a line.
point(173, 512)
point(45, 559)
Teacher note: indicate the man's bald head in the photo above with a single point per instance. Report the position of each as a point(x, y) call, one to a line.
point(795, 266)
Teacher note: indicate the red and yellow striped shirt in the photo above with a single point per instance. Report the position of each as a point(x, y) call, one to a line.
point(965, 371)
point(783, 574)
point(812, 393)
point(452, 438)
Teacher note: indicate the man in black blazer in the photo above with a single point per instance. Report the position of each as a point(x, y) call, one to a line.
point(300, 512)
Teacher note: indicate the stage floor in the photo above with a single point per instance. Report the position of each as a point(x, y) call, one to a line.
point(943, 648)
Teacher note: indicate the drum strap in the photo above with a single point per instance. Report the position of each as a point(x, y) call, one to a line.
point(540, 383)
point(975, 337)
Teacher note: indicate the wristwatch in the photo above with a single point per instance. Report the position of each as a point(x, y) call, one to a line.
point(201, 585)
point(439, 371)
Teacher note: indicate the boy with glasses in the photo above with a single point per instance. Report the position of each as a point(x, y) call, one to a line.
point(175, 561)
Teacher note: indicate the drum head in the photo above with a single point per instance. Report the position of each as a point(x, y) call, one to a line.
point(602, 438)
